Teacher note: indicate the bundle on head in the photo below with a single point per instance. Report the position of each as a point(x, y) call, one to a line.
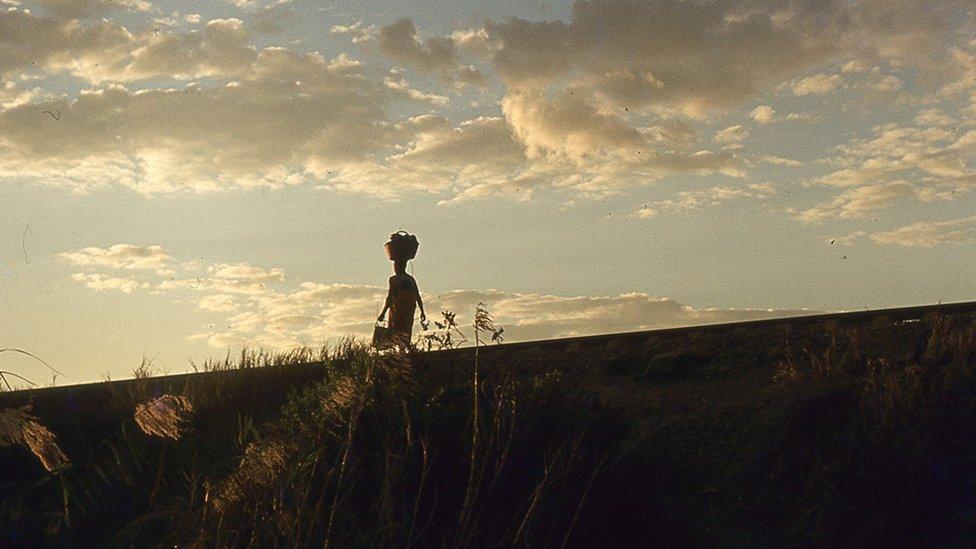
point(402, 246)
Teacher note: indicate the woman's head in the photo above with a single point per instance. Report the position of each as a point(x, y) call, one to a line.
point(400, 266)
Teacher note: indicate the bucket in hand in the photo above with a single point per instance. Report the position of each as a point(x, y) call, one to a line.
point(402, 246)
point(382, 337)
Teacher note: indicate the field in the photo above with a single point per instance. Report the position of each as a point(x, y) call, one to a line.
point(858, 430)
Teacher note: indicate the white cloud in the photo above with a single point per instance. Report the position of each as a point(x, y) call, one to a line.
point(316, 312)
point(926, 164)
point(56, 44)
point(357, 31)
point(570, 129)
point(100, 282)
point(732, 135)
point(75, 9)
point(780, 161)
point(708, 55)
point(396, 83)
point(13, 96)
point(292, 112)
point(801, 116)
point(219, 48)
point(275, 118)
point(854, 66)
point(119, 256)
point(310, 313)
point(399, 42)
point(476, 41)
point(218, 303)
point(245, 273)
point(859, 201)
point(230, 279)
point(763, 114)
point(933, 117)
point(888, 83)
point(595, 103)
point(929, 234)
point(437, 55)
point(711, 197)
point(818, 84)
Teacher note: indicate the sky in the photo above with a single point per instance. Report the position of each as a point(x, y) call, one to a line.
point(181, 179)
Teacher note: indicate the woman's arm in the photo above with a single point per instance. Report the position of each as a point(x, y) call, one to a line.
point(420, 302)
point(389, 301)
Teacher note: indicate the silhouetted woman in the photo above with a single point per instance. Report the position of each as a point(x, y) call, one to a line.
point(402, 301)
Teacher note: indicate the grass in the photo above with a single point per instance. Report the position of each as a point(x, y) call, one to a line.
point(831, 434)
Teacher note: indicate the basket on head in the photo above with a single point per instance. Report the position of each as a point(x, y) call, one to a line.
point(402, 246)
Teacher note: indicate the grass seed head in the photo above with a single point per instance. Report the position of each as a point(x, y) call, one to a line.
point(18, 426)
point(166, 416)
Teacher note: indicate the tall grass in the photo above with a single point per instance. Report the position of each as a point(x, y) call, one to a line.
point(497, 449)
point(374, 453)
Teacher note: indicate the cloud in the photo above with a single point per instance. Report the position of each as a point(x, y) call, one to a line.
point(316, 312)
point(763, 114)
point(250, 306)
point(242, 272)
point(540, 316)
point(453, 148)
point(711, 197)
point(100, 282)
point(28, 42)
point(572, 87)
point(859, 201)
point(567, 128)
point(818, 84)
point(396, 83)
point(928, 234)
point(221, 47)
point(780, 161)
point(933, 117)
point(469, 76)
point(898, 162)
point(732, 135)
point(399, 42)
point(13, 96)
point(217, 303)
point(357, 31)
point(288, 113)
point(476, 41)
point(697, 57)
point(104, 51)
point(436, 55)
point(229, 279)
point(888, 83)
point(854, 66)
point(801, 116)
point(79, 9)
point(119, 256)
point(591, 104)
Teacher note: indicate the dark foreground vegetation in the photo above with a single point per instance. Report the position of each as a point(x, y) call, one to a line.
point(825, 434)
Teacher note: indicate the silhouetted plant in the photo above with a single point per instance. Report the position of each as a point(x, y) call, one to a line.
point(446, 336)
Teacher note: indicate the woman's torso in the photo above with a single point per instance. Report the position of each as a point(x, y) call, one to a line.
point(404, 289)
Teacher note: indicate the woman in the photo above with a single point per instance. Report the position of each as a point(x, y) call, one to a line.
point(402, 300)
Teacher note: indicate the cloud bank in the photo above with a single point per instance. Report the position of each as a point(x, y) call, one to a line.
point(253, 306)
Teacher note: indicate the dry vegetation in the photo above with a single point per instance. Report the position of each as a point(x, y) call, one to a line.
point(832, 434)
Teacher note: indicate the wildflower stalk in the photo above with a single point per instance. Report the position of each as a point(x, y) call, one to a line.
point(483, 322)
point(350, 435)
